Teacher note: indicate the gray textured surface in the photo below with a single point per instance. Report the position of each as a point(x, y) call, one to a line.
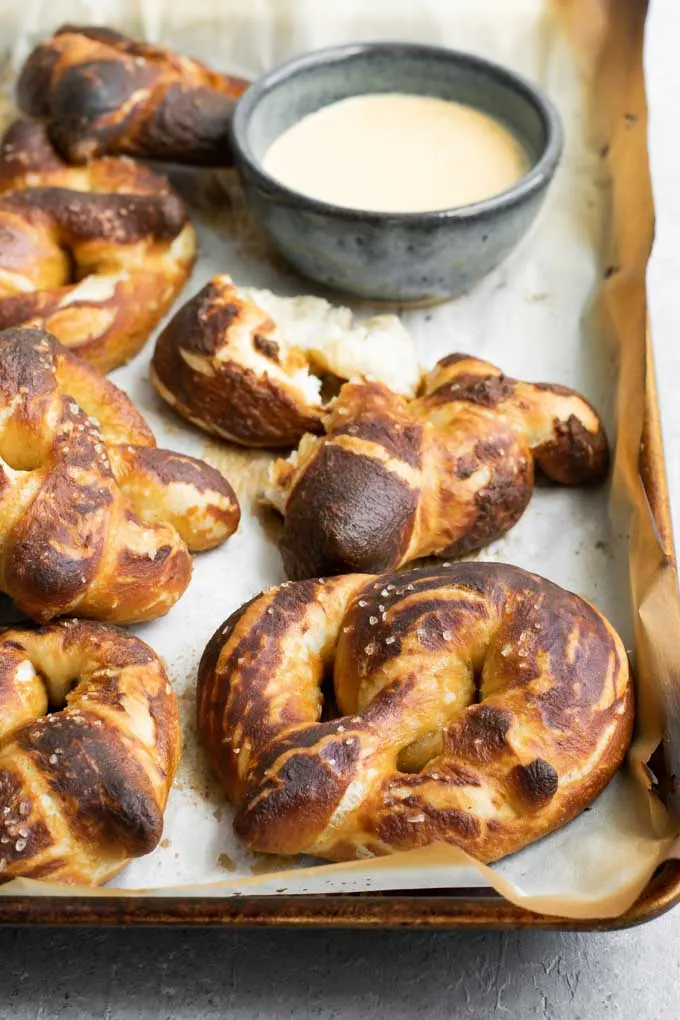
point(632, 975)
point(210, 974)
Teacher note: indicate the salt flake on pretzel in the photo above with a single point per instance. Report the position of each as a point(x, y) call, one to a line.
point(477, 704)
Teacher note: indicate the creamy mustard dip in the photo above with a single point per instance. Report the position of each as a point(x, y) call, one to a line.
point(391, 152)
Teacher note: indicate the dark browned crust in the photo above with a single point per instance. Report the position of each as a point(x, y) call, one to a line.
point(78, 784)
point(75, 545)
point(258, 650)
point(229, 400)
point(484, 390)
point(444, 474)
point(505, 620)
point(498, 505)
point(122, 219)
point(168, 467)
point(536, 782)
point(303, 792)
point(347, 514)
point(25, 148)
point(572, 457)
point(59, 225)
point(114, 797)
point(102, 93)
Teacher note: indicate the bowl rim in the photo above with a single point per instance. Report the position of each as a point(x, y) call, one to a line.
point(538, 176)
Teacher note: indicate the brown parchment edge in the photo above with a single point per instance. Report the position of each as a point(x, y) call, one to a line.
point(639, 486)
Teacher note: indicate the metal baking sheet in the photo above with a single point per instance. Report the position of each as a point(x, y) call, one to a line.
point(538, 317)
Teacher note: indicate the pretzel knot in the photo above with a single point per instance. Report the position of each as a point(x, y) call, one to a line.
point(393, 480)
point(477, 705)
point(83, 789)
point(103, 93)
point(94, 519)
point(95, 254)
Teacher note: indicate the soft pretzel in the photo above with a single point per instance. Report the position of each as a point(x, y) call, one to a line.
point(393, 480)
point(236, 361)
point(89, 744)
point(104, 94)
point(94, 520)
point(95, 254)
point(477, 705)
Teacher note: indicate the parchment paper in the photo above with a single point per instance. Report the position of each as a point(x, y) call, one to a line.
point(568, 307)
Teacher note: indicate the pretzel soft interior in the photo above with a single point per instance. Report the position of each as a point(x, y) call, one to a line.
point(246, 364)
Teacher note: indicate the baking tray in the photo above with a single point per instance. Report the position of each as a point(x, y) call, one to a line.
point(454, 908)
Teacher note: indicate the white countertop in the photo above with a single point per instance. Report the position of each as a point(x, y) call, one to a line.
point(518, 975)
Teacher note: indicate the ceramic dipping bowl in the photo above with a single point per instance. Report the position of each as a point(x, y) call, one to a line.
point(394, 257)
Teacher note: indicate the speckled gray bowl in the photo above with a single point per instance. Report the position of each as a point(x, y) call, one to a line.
point(398, 257)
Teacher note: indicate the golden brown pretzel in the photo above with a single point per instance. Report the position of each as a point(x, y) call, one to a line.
point(237, 361)
point(83, 789)
point(103, 94)
point(94, 520)
point(477, 704)
point(394, 480)
point(95, 254)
